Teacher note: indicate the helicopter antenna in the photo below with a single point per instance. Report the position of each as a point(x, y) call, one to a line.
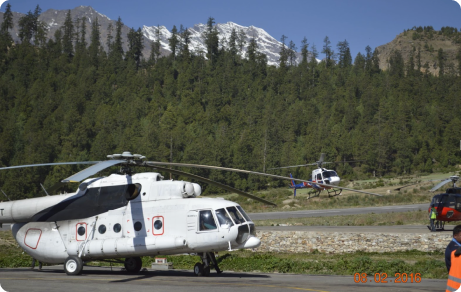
point(5, 195)
point(44, 189)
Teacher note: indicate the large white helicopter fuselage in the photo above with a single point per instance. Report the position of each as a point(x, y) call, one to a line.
point(99, 222)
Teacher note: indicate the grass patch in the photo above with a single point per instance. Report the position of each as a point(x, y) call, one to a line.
point(372, 219)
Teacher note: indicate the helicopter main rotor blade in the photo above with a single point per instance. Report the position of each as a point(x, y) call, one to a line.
point(48, 164)
point(440, 184)
point(154, 163)
point(101, 165)
point(211, 182)
point(293, 166)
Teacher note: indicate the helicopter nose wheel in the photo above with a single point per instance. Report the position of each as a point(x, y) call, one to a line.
point(198, 269)
point(73, 265)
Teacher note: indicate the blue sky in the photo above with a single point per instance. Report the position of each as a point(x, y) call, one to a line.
point(360, 22)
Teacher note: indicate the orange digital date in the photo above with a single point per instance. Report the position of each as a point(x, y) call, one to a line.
point(382, 278)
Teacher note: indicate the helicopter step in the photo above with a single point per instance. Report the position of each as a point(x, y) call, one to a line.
point(203, 269)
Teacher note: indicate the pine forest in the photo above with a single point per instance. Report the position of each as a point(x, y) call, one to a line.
point(63, 99)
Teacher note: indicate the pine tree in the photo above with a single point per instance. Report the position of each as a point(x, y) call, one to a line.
point(68, 36)
point(283, 59)
point(211, 40)
point(328, 52)
point(173, 41)
point(117, 46)
point(135, 46)
point(304, 50)
point(7, 23)
point(345, 58)
point(292, 53)
point(95, 43)
point(155, 46)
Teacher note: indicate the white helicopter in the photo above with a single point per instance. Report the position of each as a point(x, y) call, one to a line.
point(130, 215)
point(320, 176)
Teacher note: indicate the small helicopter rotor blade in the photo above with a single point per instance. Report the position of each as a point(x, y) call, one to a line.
point(439, 185)
point(293, 166)
point(322, 158)
point(79, 176)
point(211, 182)
point(399, 188)
point(155, 163)
point(48, 164)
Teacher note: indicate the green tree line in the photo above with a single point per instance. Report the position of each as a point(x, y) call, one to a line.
point(63, 99)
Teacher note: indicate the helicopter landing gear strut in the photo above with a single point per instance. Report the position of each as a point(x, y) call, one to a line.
point(203, 269)
point(334, 192)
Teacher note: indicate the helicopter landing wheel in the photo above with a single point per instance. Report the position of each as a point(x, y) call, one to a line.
point(73, 265)
point(198, 269)
point(133, 265)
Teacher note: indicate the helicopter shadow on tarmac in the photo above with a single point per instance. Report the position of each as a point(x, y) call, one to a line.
point(116, 271)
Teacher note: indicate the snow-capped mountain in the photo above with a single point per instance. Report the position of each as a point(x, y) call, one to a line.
point(54, 20)
point(267, 44)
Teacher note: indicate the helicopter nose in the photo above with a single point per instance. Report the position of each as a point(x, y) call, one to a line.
point(334, 180)
point(252, 242)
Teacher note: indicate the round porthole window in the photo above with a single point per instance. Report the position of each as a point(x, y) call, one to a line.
point(138, 226)
point(102, 229)
point(117, 228)
point(158, 224)
point(81, 231)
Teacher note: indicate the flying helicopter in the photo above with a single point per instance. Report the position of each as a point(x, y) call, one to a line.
point(448, 204)
point(320, 176)
point(130, 215)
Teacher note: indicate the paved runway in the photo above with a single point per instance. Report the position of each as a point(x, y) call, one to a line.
point(102, 279)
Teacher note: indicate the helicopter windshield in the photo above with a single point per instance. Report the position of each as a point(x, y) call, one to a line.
point(243, 213)
point(223, 217)
point(329, 173)
point(234, 213)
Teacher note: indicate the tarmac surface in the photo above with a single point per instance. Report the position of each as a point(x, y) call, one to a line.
point(53, 278)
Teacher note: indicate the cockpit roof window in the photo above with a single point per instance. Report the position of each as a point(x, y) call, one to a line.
point(234, 213)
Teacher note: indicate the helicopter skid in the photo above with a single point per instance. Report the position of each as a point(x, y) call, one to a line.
point(334, 192)
point(313, 194)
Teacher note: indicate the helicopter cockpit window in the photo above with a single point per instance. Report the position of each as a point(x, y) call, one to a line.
point(319, 176)
point(223, 217)
point(330, 173)
point(132, 191)
point(238, 219)
point(435, 200)
point(207, 221)
point(247, 218)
